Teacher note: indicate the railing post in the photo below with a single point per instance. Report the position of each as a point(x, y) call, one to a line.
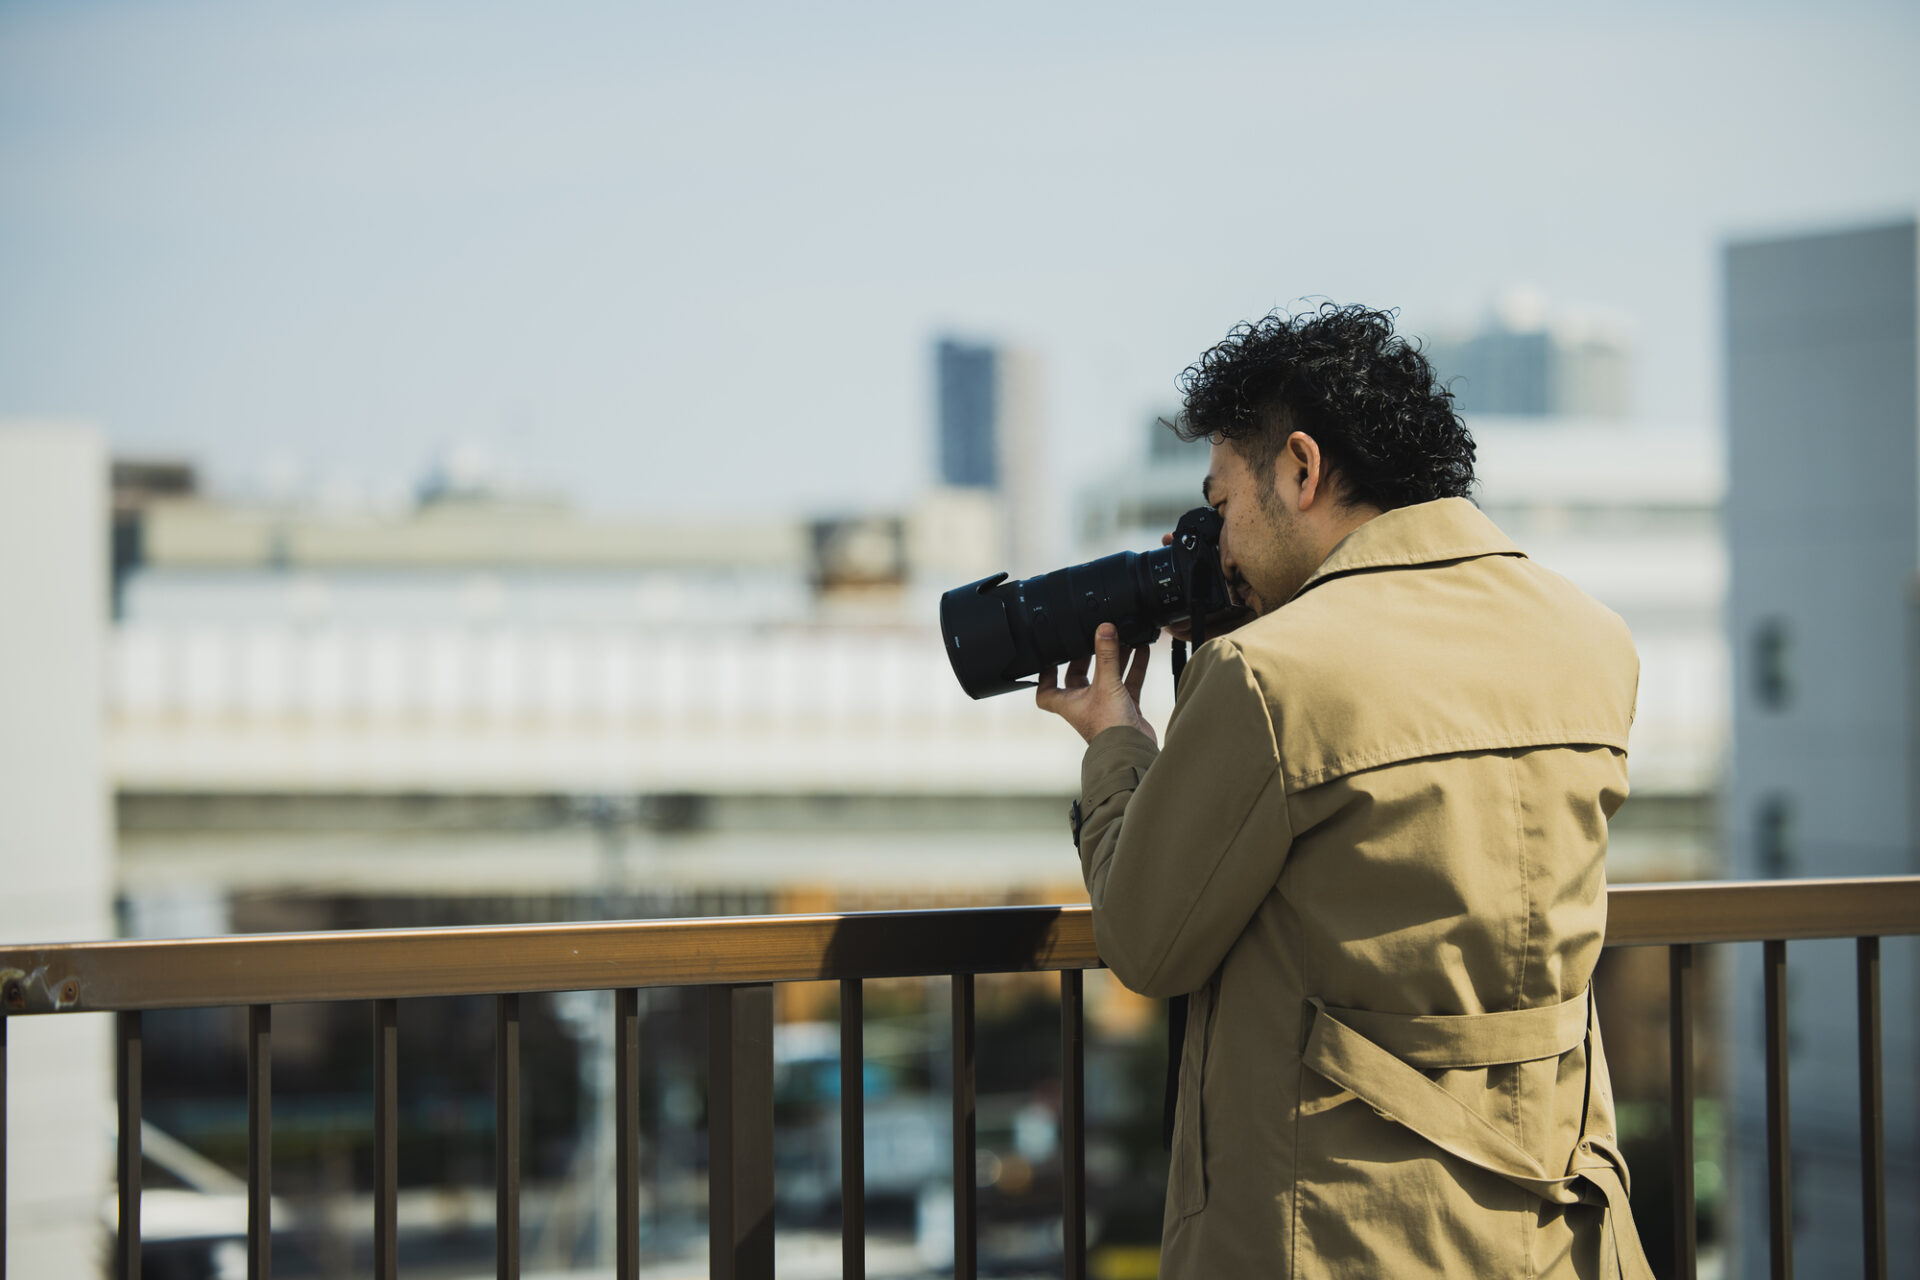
point(1779, 1146)
point(1073, 1122)
point(386, 1139)
point(259, 1141)
point(126, 1254)
point(740, 1131)
point(853, 1131)
point(506, 1136)
point(626, 1129)
point(3, 1146)
point(1873, 1142)
point(1680, 1103)
point(966, 1218)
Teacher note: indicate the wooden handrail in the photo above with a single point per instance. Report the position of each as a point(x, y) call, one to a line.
point(386, 964)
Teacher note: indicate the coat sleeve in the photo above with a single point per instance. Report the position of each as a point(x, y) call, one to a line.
point(1179, 847)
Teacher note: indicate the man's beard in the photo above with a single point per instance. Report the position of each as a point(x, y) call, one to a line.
point(1280, 532)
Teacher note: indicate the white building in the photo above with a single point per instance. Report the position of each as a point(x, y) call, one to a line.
point(56, 844)
point(280, 679)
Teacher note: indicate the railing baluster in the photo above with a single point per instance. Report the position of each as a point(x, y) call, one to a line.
point(626, 1130)
point(506, 1136)
point(1680, 1102)
point(853, 1131)
point(1779, 1147)
point(740, 1131)
point(386, 1139)
point(965, 1210)
point(259, 1141)
point(126, 1253)
point(1073, 1122)
point(3, 1147)
point(1873, 1145)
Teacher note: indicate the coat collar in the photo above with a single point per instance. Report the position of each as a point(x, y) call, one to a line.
point(1425, 533)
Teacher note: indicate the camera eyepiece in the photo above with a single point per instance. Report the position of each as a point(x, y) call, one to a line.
point(998, 632)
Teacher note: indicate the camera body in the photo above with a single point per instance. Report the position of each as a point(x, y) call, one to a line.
point(999, 632)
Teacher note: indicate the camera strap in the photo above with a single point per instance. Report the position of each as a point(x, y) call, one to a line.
point(1177, 1005)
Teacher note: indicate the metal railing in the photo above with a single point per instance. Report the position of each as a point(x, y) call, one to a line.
point(738, 960)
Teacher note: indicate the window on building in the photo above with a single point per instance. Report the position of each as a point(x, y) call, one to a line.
point(1770, 675)
point(1773, 837)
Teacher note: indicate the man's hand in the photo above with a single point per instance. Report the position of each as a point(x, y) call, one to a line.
point(1109, 699)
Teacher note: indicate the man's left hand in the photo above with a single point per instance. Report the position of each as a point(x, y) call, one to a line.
point(1110, 699)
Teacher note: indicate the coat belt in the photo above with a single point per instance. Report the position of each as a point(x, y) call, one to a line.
point(1378, 1057)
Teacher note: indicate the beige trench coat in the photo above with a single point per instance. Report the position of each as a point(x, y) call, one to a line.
point(1373, 850)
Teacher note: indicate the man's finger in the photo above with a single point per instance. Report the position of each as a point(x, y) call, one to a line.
point(1046, 690)
point(1077, 674)
point(1106, 656)
point(1137, 672)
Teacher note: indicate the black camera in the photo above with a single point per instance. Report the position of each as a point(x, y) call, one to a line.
point(998, 632)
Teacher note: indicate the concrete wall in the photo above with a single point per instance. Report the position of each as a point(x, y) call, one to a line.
point(1823, 526)
point(55, 838)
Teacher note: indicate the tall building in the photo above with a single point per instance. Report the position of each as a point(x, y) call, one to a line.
point(1521, 363)
point(967, 398)
point(1823, 530)
point(990, 436)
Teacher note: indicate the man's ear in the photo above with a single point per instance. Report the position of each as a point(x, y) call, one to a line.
point(1302, 470)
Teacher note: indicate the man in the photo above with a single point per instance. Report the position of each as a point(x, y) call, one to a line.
point(1373, 848)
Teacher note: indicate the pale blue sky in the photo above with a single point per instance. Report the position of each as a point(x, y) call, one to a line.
point(673, 259)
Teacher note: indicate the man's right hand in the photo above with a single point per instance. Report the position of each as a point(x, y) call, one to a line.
point(1107, 700)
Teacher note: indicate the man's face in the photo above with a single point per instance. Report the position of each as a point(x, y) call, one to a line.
point(1259, 537)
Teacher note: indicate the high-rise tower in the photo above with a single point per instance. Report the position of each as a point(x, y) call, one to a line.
point(1823, 533)
point(967, 381)
point(988, 424)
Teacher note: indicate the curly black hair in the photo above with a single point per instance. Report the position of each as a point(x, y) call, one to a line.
point(1368, 398)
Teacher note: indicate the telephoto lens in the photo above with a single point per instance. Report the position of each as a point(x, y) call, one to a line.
point(1000, 632)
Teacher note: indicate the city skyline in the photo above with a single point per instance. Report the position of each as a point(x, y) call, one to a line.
point(678, 261)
